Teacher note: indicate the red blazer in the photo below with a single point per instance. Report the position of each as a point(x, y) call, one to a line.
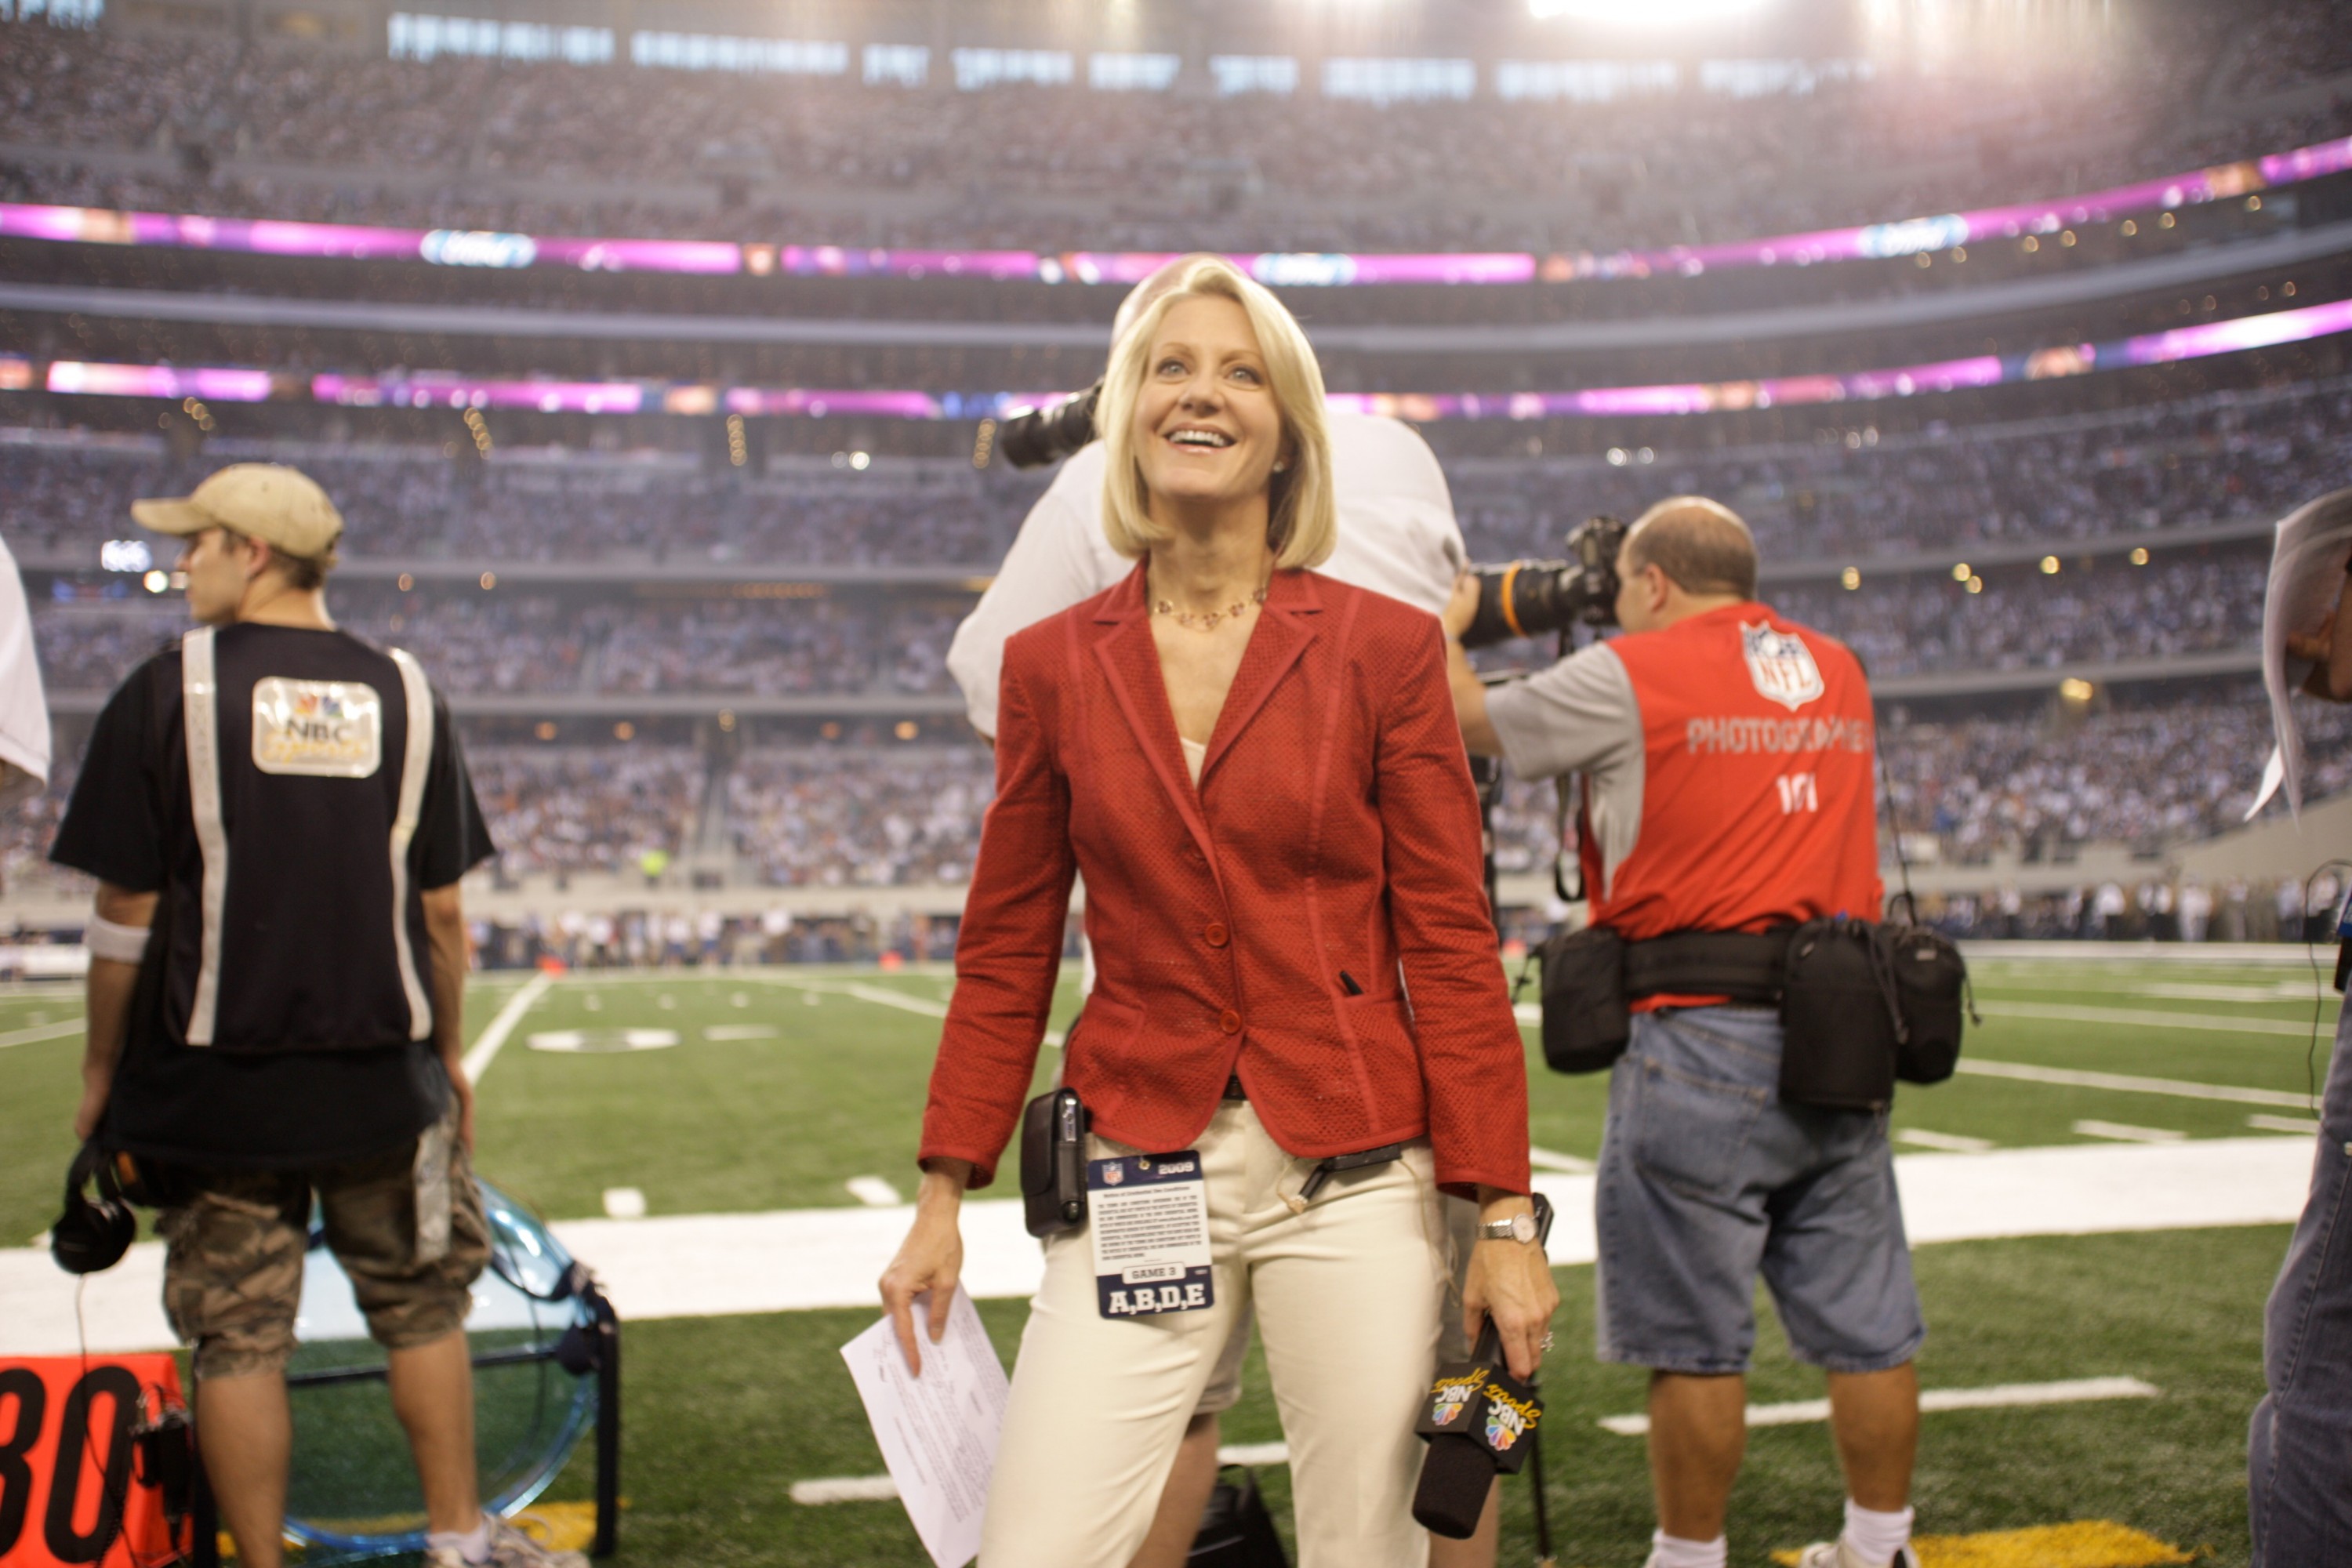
point(1335, 831)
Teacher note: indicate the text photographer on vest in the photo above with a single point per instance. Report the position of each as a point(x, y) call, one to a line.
point(1726, 760)
point(279, 815)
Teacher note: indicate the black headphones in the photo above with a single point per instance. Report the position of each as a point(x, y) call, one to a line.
point(92, 1234)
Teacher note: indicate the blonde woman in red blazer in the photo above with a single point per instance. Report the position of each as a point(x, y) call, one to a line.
point(1258, 771)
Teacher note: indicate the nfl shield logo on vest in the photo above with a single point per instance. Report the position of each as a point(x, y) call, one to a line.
point(1781, 664)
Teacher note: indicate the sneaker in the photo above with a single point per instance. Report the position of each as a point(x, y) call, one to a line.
point(510, 1548)
point(1833, 1555)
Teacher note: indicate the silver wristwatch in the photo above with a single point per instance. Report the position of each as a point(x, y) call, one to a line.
point(1519, 1227)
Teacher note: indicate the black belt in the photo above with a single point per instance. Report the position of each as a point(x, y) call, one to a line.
point(1747, 966)
point(1233, 1090)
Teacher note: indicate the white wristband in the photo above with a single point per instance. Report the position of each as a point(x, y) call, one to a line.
point(117, 944)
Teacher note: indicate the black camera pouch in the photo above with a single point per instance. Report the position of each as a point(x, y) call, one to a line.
point(1053, 1162)
point(1586, 1024)
point(1840, 1016)
point(1931, 979)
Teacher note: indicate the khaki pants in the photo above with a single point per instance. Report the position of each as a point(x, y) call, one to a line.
point(1348, 1296)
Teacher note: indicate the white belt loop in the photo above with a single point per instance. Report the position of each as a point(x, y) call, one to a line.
point(200, 703)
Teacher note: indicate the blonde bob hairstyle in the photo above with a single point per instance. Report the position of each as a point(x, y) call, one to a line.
point(1302, 522)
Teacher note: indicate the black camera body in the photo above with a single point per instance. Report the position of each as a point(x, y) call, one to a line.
point(1530, 598)
point(1036, 437)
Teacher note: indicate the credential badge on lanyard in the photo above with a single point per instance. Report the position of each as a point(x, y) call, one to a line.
point(1148, 1220)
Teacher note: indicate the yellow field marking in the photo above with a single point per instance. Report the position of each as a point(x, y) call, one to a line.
point(559, 1526)
point(2085, 1543)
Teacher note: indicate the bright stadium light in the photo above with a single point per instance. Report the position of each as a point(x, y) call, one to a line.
point(1654, 14)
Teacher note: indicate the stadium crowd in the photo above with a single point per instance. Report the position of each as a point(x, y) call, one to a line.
point(860, 818)
point(282, 130)
point(2223, 458)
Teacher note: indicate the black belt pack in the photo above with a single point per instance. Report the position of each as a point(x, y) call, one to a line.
point(1053, 1162)
point(1862, 1003)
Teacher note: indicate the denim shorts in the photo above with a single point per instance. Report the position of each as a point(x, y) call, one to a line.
point(1707, 1178)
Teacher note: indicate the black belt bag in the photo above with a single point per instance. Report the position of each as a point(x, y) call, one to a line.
point(1053, 1162)
point(1862, 1003)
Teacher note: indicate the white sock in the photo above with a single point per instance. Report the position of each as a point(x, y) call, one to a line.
point(473, 1545)
point(1673, 1551)
point(1876, 1537)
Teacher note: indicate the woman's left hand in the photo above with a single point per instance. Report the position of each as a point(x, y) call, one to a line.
point(1511, 1282)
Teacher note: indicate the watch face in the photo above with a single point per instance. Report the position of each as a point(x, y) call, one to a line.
point(1523, 1227)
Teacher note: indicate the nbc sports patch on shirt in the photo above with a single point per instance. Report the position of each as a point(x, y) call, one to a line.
point(323, 729)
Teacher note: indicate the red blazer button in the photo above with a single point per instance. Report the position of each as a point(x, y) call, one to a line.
point(1230, 1022)
point(1215, 935)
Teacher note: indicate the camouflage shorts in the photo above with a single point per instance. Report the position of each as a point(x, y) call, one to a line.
point(233, 1268)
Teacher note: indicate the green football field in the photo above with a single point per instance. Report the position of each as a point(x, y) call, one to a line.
point(785, 1084)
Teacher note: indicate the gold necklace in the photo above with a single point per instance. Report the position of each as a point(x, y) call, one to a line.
point(1207, 620)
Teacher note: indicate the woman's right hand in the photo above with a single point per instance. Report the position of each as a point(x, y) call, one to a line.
point(931, 1259)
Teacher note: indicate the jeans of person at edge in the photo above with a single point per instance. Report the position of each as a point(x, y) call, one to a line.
point(2299, 1454)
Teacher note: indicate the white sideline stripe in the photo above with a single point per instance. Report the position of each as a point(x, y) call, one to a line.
point(40, 1032)
point(2283, 1124)
point(494, 1038)
point(2124, 1083)
point(2143, 1018)
point(1999, 1397)
point(1552, 1160)
point(882, 1489)
point(693, 1266)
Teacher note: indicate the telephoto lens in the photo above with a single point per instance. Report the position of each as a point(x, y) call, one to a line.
point(1530, 598)
point(1036, 437)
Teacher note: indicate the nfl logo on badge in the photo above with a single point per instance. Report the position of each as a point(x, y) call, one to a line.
point(1781, 664)
point(1114, 1175)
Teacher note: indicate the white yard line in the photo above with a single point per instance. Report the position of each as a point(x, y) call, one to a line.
point(494, 1038)
point(2126, 1084)
point(1949, 1142)
point(1553, 1160)
point(2124, 1132)
point(1795, 1413)
point(1999, 1397)
point(2301, 1125)
point(882, 997)
point(882, 1489)
point(2143, 1018)
point(40, 1032)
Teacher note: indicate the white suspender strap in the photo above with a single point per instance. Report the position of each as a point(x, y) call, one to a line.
point(416, 763)
point(200, 717)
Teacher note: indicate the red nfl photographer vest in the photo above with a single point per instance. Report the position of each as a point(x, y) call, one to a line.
point(1758, 806)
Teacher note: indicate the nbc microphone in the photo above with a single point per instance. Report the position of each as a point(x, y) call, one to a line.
point(1479, 1422)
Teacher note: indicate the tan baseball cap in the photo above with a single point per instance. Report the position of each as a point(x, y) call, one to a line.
point(281, 506)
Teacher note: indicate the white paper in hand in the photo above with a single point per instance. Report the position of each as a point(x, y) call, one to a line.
point(2306, 575)
point(937, 1432)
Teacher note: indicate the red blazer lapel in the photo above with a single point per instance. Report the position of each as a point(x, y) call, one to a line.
point(1276, 643)
point(1132, 661)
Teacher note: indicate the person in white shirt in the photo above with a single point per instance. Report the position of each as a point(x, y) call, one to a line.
point(1398, 536)
point(24, 709)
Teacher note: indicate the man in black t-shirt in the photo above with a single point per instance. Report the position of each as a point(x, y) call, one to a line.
point(279, 815)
